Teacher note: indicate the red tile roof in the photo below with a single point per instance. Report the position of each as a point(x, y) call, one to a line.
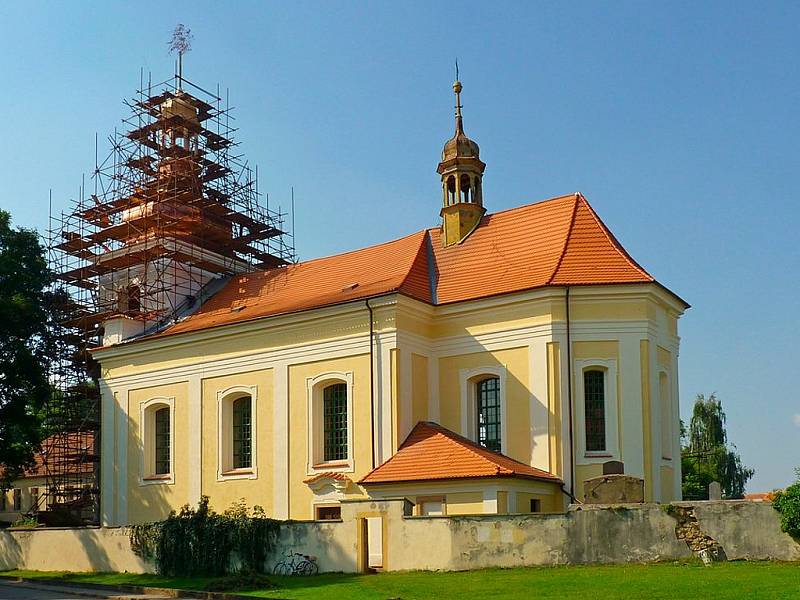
point(327, 475)
point(431, 452)
point(560, 241)
point(63, 448)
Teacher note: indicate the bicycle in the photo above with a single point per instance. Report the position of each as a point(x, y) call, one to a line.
point(295, 563)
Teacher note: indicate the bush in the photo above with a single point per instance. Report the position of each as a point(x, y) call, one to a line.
point(202, 542)
point(787, 502)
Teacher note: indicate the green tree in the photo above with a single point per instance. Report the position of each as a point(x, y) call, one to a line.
point(25, 345)
point(706, 455)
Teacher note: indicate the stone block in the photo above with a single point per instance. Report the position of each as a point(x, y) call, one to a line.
point(613, 489)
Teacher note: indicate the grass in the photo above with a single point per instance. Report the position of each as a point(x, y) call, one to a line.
point(664, 580)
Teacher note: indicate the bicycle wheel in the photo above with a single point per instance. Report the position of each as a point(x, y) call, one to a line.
point(306, 567)
point(282, 568)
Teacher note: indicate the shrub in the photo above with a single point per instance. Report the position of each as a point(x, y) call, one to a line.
point(787, 502)
point(202, 542)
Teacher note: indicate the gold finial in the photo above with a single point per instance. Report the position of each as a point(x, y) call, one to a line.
point(457, 87)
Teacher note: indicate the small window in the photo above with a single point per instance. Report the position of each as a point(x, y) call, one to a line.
point(162, 441)
point(329, 513)
point(17, 499)
point(536, 505)
point(242, 433)
point(432, 507)
point(35, 499)
point(3, 507)
point(595, 410)
point(488, 394)
point(334, 409)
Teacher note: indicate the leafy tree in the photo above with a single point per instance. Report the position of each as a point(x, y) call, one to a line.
point(787, 502)
point(24, 346)
point(706, 455)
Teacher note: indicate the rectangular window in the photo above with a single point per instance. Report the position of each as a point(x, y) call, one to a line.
point(242, 433)
point(489, 414)
point(2, 500)
point(536, 505)
point(35, 499)
point(162, 441)
point(329, 513)
point(595, 410)
point(17, 499)
point(335, 422)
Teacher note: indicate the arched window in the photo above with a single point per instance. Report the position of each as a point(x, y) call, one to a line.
point(477, 195)
point(161, 441)
point(451, 190)
point(242, 433)
point(488, 413)
point(465, 188)
point(594, 397)
point(334, 412)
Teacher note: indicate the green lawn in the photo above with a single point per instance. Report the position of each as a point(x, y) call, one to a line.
point(665, 580)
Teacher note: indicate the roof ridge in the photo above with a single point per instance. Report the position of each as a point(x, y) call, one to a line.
point(345, 253)
point(614, 241)
point(576, 196)
point(423, 244)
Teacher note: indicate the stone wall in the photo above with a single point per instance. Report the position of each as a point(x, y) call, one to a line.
point(585, 534)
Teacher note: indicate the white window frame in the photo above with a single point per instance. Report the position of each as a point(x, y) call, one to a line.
point(147, 409)
point(315, 462)
point(468, 380)
point(609, 368)
point(225, 399)
point(666, 459)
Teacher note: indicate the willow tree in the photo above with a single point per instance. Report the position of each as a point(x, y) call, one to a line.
point(707, 456)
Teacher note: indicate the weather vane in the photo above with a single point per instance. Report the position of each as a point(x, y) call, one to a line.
point(181, 43)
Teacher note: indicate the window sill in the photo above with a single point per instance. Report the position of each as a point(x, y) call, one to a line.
point(334, 464)
point(158, 479)
point(251, 473)
point(666, 458)
point(598, 455)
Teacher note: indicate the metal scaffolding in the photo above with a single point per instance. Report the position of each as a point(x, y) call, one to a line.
point(174, 212)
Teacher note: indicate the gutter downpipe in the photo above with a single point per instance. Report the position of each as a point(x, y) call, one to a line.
point(371, 382)
point(570, 403)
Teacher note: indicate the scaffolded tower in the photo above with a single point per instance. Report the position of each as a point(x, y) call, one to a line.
point(175, 211)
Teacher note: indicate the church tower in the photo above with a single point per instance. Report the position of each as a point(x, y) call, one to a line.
point(461, 170)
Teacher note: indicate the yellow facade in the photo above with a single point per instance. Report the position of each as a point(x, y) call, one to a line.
point(422, 363)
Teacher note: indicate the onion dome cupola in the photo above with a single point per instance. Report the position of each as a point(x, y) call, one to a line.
point(461, 170)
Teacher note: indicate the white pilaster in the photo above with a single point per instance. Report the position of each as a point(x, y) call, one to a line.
point(195, 438)
point(384, 399)
point(539, 417)
point(280, 440)
point(433, 389)
point(108, 407)
point(630, 405)
point(490, 501)
point(121, 468)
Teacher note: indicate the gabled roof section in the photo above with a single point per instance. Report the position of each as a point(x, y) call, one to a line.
point(592, 255)
point(560, 241)
point(556, 242)
point(432, 452)
point(396, 266)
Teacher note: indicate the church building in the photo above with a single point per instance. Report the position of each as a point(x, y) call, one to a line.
point(488, 364)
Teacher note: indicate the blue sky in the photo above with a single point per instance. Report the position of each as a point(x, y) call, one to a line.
point(678, 121)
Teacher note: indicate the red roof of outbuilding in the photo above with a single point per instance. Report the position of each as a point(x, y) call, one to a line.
point(560, 241)
point(432, 452)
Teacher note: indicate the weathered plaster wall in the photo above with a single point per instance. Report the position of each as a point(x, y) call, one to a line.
point(597, 534)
